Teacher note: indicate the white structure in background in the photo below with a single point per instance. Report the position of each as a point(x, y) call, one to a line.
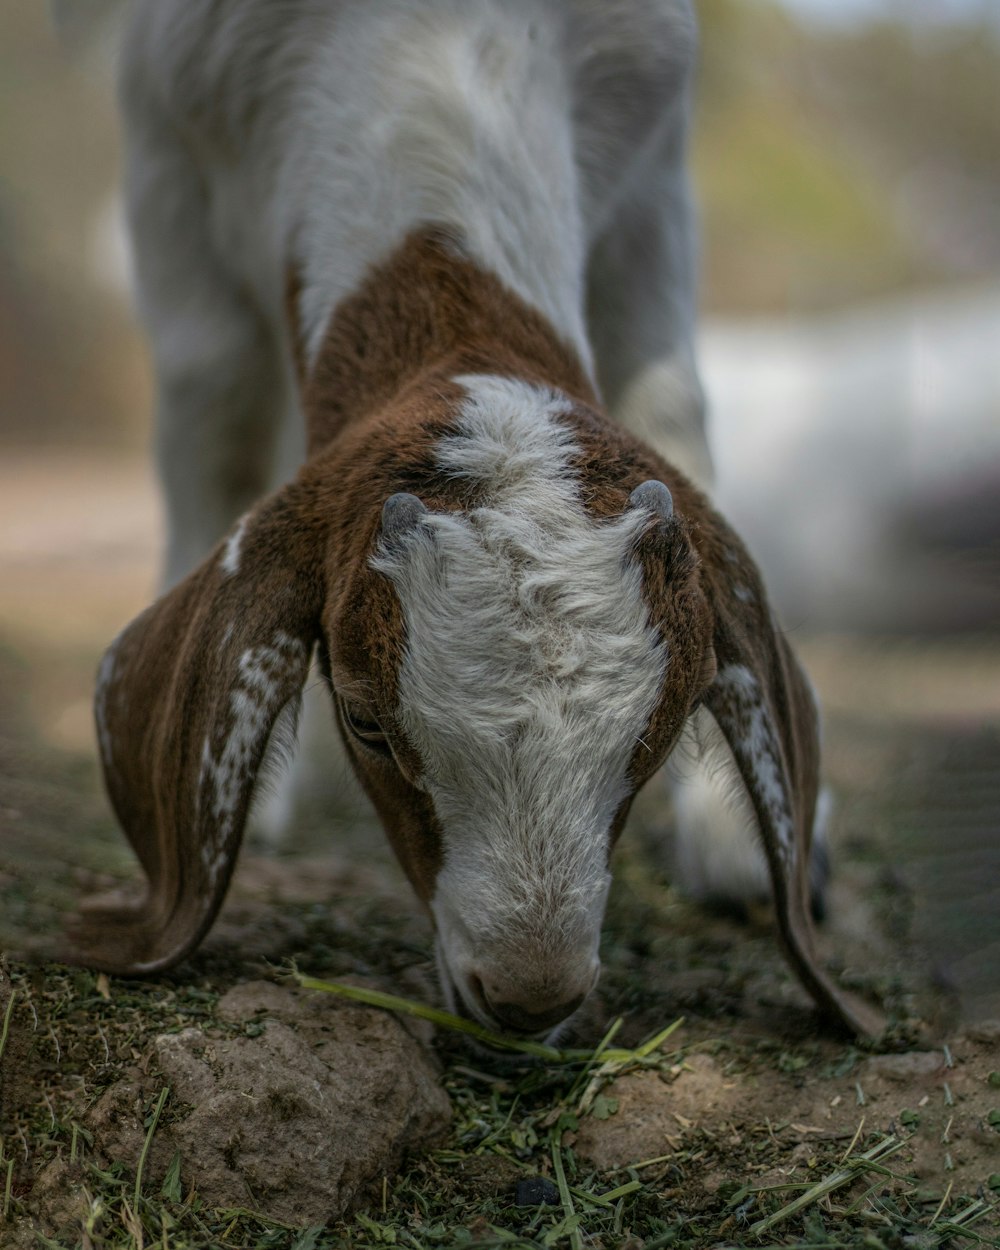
point(827, 430)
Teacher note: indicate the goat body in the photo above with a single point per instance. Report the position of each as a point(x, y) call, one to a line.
point(452, 234)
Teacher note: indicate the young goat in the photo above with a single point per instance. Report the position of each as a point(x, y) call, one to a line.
point(447, 232)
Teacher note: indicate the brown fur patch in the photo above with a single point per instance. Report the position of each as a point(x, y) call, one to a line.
point(427, 313)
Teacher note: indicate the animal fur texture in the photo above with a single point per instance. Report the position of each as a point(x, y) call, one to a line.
point(443, 250)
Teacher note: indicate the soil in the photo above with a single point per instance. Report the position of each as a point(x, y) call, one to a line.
point(304, 1108)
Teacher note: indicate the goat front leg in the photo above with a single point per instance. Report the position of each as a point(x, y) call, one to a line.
point(220, 384)
point(717, 857)
point(641, 298)
point(228, 428)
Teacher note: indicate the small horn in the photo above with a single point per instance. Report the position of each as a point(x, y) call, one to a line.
point(400, 513)
point(654, 496)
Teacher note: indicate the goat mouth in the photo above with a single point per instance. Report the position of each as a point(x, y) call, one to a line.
point(461, 1003)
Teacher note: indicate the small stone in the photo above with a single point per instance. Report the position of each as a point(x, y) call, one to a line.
point(313, 1101)
point(985, 1031)
point(905, 1067)
point(536, 1191)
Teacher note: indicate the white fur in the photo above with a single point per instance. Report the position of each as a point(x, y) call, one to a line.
point(661, 405)
point(716, 852)
point(717, 856)
point(230, 560)
point(760, 741)
point(531, 671)
point(446, 142)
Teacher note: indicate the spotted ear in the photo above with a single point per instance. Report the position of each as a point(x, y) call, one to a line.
point(186, 701)
point(764, 706)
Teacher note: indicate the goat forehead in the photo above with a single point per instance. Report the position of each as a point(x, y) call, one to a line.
point(531, 665)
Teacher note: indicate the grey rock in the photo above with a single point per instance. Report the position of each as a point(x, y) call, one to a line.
point(914, 1063)
point(295, 1118)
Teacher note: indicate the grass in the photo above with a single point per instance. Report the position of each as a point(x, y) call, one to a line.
point(610, 1059)
point(512, 1124)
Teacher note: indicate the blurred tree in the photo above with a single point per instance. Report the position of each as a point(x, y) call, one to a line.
point(841, 164)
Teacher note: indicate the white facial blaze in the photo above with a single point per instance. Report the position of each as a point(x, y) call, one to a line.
point(530, 673)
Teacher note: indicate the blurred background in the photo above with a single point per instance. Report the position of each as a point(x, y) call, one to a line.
point(847, 160)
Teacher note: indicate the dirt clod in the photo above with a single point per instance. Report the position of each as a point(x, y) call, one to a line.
point(296, 1119)
point(987, 1031)
point(293, 1117)
point(651, 1116)
point(905, 1067)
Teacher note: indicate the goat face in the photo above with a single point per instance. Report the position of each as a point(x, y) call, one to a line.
point(534, 688)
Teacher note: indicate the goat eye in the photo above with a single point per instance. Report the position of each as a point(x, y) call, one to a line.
point(363, 727)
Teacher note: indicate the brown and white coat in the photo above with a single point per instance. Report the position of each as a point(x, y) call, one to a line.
point(453, 234)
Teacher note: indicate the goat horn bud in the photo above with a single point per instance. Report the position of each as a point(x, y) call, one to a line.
point(400, 513)
point(654, 496)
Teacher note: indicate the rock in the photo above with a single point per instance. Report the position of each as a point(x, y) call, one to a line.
point(986, 1031)
point(294, 1118)
point(536, 1191)
point(299, 1117)
point(905, 1067)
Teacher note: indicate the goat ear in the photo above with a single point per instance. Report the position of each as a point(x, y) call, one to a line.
point(764, 706)
point(187, 697)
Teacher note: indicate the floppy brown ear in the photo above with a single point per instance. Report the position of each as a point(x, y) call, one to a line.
point(764, 706)
point(187, 697)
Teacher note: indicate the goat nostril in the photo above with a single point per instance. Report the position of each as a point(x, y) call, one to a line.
point(478, 991)
point(516, 1017)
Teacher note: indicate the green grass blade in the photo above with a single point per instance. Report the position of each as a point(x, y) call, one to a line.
point(570, 1223)
point(841, 1176)
point(458, 1024)
point(146, 1144)
point(6, 1021)
point(443, 1019)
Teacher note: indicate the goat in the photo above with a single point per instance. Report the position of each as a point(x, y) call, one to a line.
point(454, 234)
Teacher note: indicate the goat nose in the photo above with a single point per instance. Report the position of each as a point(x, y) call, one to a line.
point(525, 1013)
